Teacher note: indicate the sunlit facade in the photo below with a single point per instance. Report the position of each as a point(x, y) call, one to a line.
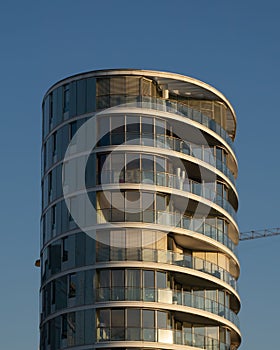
point(162, 270)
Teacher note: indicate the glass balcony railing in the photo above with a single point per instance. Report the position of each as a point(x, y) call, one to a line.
point(167, 336)
point(175, 107)
point(166, 296)
point(168, 219)
point(171, 143)
point(169, 180)
point(166, 257)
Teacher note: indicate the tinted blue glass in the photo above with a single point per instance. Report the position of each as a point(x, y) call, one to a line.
point(91, 94)
point(73, 99)
point(81, 96)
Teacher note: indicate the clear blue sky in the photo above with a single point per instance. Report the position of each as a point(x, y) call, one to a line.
point(233, 45)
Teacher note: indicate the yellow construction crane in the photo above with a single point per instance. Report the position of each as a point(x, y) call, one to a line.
point(245, 236)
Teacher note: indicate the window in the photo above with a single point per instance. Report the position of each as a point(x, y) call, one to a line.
point(147, 126)
point(103, 168)
point(148, 319)
point(64, 249)
point(104, 278)
point(161, 280)
point(132, 161)
point(199, 333)
point(53, 216)
point(51, 111)
point(54, 144)
point(117, 85)
point(66, 98)
point(148, 206)
point(133, 205)
point(71, 328)
point(132, 168)
point(50, 186)
point(133, 278)
point(219, 153)
point(160, 164)
point(64, 326)
point(217, 113)
point(160, 127)
point(53, 289)
point(48, 333)
point(102, 250)
point(133, 318)
point(117, 278)
point(162, 320)
point(147, 163)
point(117, 323)
point(132, 200)
point(72, 285)
point(212, 332)
point(126, 324)
point(133, 124)
point(117, 200)
point(133, 324)
point(73, 203)
point(104, 318)
point(103, 131)
point(117, 244)
point(117, 318)
point(54, 257)
point(148, 279)
point(117, 167)
point(117, 125)
point(161, 202)
point(117, 130)
point(222, 191)
point(73, 129)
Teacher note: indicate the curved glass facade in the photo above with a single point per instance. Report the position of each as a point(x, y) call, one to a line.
point(160, 270)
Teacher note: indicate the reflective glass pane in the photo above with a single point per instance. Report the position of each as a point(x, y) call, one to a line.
point(148, 317)
point(118, 200)
point(148, 201)
point(133, 124)
point(133, 278)
point(160, 127)
point(117, 124)
point(72, 285)
point(161, 202)
point(117, 318)
point(147, 125)
point(133, 318)
point(117, 278)
point(103, 126)
point(148, 279)
point(104, 278)
point(133, 200)
point(162, 318)
point(161, 280)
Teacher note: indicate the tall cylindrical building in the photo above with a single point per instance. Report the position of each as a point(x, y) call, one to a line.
point(138, 226)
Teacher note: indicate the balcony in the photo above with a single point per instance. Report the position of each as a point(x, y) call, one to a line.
point(204, 190)
point(108, 253)
point(166, 336)
point(166, 296)
point(172, 219)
